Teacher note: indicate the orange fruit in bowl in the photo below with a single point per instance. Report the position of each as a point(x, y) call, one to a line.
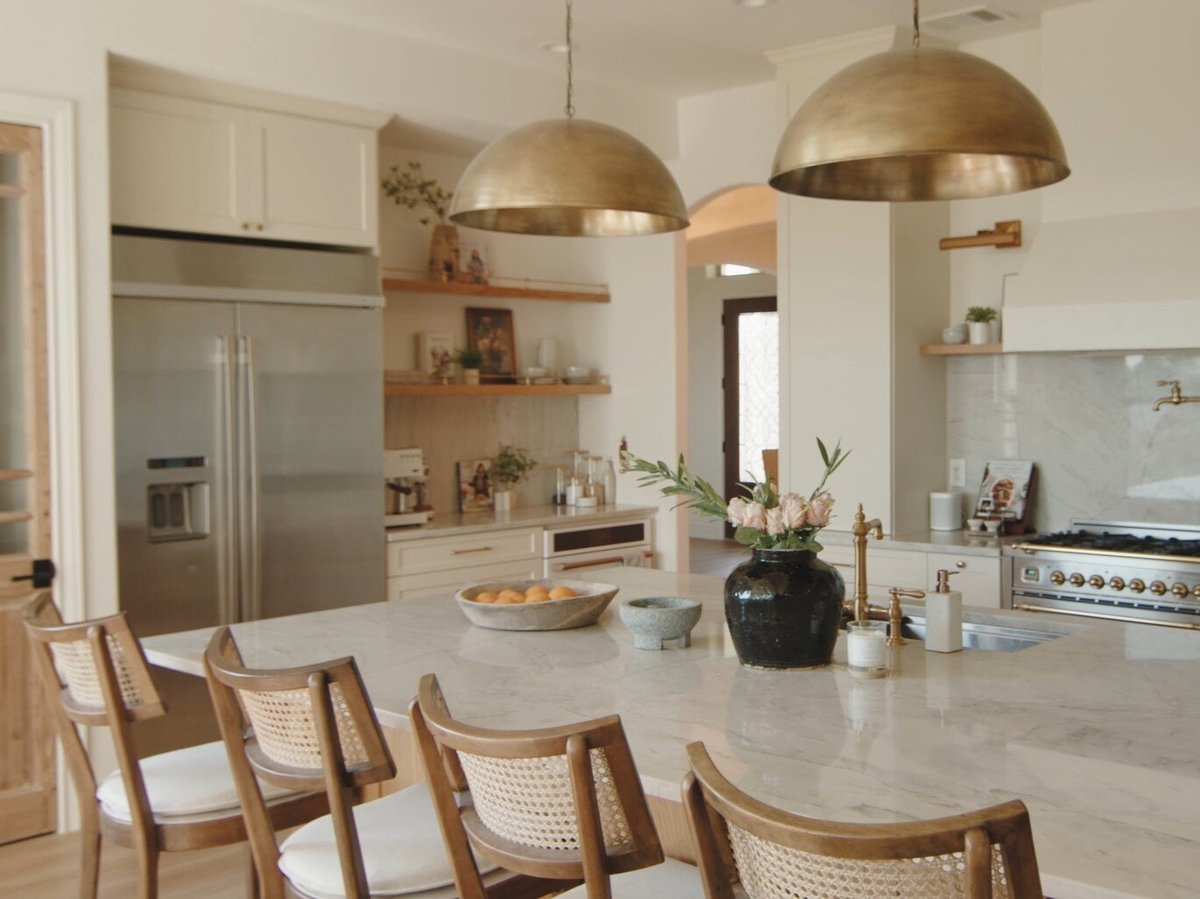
point(511, 596)
point(563, 593)
point(486, 597)
point(531, 596)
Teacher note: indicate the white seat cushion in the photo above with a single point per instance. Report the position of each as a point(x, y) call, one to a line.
point(401, 842)
point(670, 880)
point(192, 784)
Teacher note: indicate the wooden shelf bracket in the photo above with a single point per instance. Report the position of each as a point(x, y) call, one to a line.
point(1005, 234)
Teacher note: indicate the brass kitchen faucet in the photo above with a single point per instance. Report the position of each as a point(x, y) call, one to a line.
point(1176, 398)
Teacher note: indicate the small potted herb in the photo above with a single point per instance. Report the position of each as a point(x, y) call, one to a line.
point(509, 467)
point(469, 361)
point(979, 323)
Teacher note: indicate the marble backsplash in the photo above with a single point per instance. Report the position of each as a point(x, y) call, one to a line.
point(1087, 420)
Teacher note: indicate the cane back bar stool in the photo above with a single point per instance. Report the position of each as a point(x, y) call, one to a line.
point(773, 853)
point(313, 728)
point(561, 803)
point(95, 675)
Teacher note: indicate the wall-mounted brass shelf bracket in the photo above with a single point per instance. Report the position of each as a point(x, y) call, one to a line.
point(1006, 234)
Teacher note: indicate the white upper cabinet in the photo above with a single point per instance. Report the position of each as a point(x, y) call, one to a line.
point(188, 165)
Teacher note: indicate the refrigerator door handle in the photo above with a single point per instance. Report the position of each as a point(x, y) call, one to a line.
point(250, 551)
point(228, 611)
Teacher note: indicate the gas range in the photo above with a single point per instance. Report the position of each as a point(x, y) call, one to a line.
point(1147, 573)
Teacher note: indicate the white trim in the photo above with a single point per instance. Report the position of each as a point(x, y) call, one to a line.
point(56, 119)
point(244, 294)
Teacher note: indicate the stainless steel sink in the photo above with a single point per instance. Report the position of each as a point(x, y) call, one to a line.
point(990, 637)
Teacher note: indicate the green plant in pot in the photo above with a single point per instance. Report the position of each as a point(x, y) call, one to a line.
point(408, 186)
point(979, 324)
point(469, 361)
point(509, 467)
point(783, 605)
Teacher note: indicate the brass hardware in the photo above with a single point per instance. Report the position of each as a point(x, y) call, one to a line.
point(568, 177)
point(1176, 398)
point(1196, 592)
point(1158, 588)
point(1117, 583)
point(1096, 581)
point(1025, 607)
point(1031, 548)
point(861, 529)
point(258, 227)
point(960, 564)
point(594, 563)
point(1005, 234)
point(919, 124)
point(1076, 580)
point(1057, 577)
point(896, 614)
point(245, 226)
point(1180, 590)
point(464, 552)
point(943, 580)
point(1137, 585)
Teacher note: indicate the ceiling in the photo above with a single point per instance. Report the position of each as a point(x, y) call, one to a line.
point(673, 47)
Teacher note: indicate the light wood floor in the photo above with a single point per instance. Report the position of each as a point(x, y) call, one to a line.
point(716, 557)
point(48, 868)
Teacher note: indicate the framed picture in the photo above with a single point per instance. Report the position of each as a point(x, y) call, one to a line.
point(490, 332)
point(1006, 492)
point(474, 485)
point(435, 351)
point(474, 261)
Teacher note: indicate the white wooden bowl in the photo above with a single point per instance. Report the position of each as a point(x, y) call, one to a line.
point(553, 615)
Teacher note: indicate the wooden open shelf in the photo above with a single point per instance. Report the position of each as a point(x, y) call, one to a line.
point(404, 285)
point(495, 389)
point(962, 349)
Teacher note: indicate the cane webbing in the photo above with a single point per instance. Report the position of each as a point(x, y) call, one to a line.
point(77, 667)
point(287, 732)
point(770, 871)
point(529, 800)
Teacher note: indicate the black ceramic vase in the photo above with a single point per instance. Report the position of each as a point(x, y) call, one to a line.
point(783, 607)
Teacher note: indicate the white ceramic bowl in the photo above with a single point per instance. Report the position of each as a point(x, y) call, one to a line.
point(553, 615)
point(533, 372)
point(576, 372)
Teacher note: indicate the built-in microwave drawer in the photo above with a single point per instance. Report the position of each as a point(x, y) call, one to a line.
point(601, 535)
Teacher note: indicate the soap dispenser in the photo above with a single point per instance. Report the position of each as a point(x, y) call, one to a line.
point(943, 616)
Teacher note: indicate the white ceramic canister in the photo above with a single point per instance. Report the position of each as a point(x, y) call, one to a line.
point(945, 511)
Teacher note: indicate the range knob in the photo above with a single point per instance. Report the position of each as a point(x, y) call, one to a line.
point(1057, 577)
point(1196, 592)
point(1096, 581)
point(1076, 580)
point(1180, 590)
point(1117, 583)
point(1158, 588)
point(1137, 585)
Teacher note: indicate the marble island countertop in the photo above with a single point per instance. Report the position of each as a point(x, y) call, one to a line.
point(448, 524)
point(1098, 731)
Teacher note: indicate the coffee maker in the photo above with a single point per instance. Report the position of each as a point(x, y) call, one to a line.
point(404, 488)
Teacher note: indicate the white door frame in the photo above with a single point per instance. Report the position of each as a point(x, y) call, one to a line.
point(56, 119)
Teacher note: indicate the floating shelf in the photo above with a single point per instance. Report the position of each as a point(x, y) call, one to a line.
point(598, 294)
point(495, 389)
point(962, 349)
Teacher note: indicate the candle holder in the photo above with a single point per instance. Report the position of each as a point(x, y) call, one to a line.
point(866, 648)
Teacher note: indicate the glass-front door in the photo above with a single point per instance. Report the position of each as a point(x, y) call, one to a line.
point(751, 383)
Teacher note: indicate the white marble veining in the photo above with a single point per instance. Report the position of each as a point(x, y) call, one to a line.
point(1087, 420)
point(452, 524)
point(1097, 731)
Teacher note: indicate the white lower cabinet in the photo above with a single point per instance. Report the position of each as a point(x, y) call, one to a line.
point(978, 577)
point(435, 564)
point(448, 582)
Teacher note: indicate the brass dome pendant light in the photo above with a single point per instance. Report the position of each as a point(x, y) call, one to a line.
point(568, 177)
point(919, 124)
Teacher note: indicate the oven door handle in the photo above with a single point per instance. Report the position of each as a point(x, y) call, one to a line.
point(1028, 607)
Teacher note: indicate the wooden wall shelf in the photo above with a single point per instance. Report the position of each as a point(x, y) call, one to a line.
point(962, 349)
point(598, 294)
point(495, 389)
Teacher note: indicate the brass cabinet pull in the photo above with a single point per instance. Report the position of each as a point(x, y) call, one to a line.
point(478, 549)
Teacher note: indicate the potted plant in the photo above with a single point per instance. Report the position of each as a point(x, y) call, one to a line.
point(783, 605)
point(469, 361)
point(409, 187)
point(979, 323)
point(509, 467)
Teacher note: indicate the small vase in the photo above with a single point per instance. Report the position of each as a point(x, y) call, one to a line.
point(503, 500)
point(981, 332)
point(783, 608)
point(443, 253)
point(470, 376)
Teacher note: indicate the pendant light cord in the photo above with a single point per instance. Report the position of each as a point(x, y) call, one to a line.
point(570, 109)
point(916, 24)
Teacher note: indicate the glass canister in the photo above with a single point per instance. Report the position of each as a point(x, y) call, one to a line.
point(560, 486)
point(610, 482)
point(595, 479)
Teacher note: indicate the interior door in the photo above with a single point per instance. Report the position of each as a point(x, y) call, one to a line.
point(27, 783)
point(751, 382)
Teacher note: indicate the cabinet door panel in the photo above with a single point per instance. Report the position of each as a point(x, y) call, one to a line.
point(978, 577)
point(178, 165)
point(319, 181)
point(407, 557)
point(449, 582)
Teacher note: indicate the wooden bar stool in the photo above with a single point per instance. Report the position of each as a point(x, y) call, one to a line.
point(773, 853)
point(563, 804)
point(313, 728)
point(95, 675)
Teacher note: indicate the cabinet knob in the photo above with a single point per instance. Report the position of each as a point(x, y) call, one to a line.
point(258, 227)
point(960, 564)
point(245, 226)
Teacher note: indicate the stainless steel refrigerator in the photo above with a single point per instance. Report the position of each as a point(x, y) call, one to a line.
point(249, 431)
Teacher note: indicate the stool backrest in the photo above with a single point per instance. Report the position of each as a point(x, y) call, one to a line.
point(562, 803)
point(978, 855)
point(305, 728)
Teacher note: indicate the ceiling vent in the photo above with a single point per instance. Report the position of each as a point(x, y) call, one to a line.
point(960, 20)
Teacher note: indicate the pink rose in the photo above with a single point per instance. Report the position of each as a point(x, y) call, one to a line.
point(755, 517)
point(794, 510)
point(775, 526)
point(820, 510)
point(736, 512)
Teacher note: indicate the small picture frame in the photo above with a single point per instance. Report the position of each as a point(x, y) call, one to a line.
point(474, 485)
point(490, 332)
point(435, 351)
point(1006, 492)
point(473, 262)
